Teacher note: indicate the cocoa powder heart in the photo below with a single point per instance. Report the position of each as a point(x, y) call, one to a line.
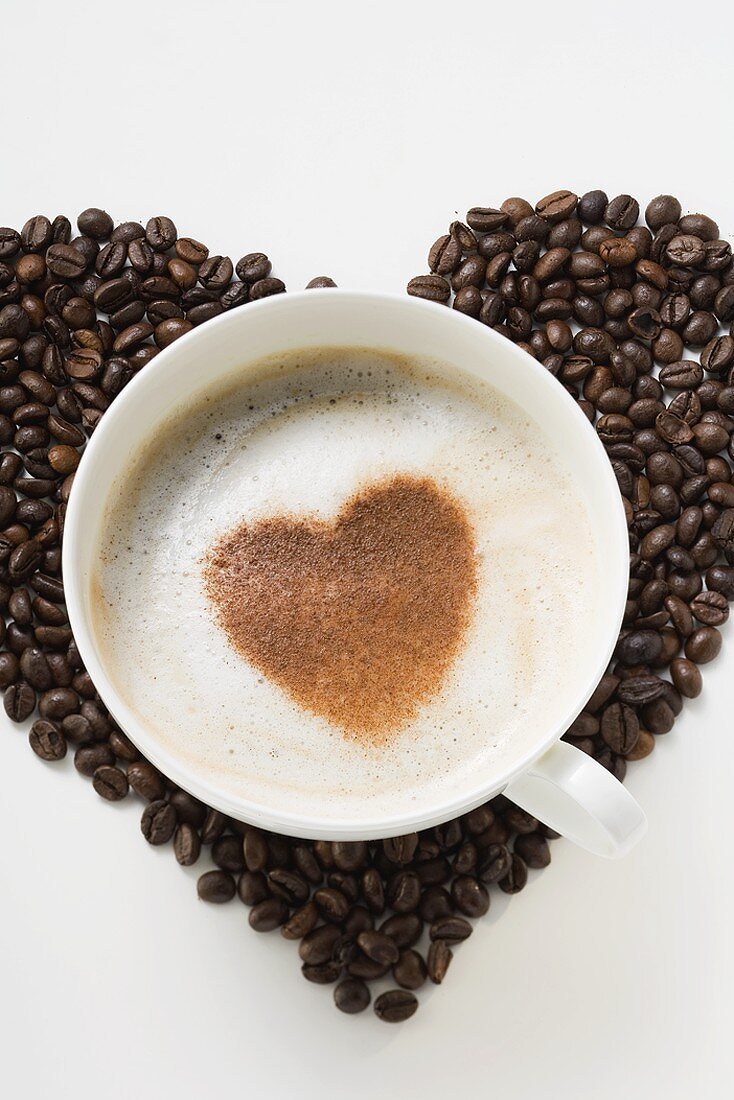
point(358, 620)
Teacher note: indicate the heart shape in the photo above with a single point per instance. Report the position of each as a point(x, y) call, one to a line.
point(359, 619)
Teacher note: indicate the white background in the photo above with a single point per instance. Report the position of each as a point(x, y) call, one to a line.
point(341, 139)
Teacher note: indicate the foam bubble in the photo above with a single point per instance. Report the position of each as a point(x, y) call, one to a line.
point(302, 436)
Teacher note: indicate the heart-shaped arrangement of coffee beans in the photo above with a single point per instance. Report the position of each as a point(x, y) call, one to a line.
point(634, 320)
point(358, 620)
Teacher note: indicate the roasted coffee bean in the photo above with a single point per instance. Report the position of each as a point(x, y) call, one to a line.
point(160, 233)
point(641, 689)
point(395, 1006)
point(379, 947)
point(88, 758)
point(534, 850)
point(317, 946)
point(404, 928)
point(158, 824)
point(622, 212)
point(252, 887)
point(617, 252)
point(404, 891)
point(620, 727)
point(517, 876)
point(193, 812)
point(351, 996)
point(683, 375)
point(410, 970)
point(213, 886)
point(121, 745)
point(47, 740)
point(146, 780)
point(268, 915)
point(301, 922)
point(663, 210)
point(9, 670)
point(703, 645)
point(66, 261)
point(438, 960)
point(710, 608)
point(435, 902)
point(186, 845)
point(227, 852)
point(591, 207)
point(110, 783)
point(686, 677)
point(19, 701)
point(469, 896)
point(264, 288)
point(658, 716)
point(255, 849)
point(486, 219)
point(332, 904)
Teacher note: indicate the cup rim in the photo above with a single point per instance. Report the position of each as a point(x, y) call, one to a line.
point(244, 809)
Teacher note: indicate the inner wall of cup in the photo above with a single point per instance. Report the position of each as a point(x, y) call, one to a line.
point(338, 318)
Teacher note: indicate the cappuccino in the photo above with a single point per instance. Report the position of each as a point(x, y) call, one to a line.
point(349, 577)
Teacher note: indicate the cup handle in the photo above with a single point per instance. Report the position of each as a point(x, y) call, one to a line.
point(573, 794)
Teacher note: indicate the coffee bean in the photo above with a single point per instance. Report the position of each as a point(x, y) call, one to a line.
point(617, 252)
point(95, 223)
point(215, 886)
point(485, 219)
point(351, 996)
point(332, 904)
point(320, 282)
point(263, 288)
point(469, 896)
point(395, 1006)
point(622, 212)
point(65, 261)
point(685, 250)
point(662, 210)
point(19, 701)
point(685, 374)
point(404, 928)
point(445, 255)
point(534, 850)
point(47, 740)
point(88, 758)
point(450, 929)
point(438, 960)
point(703, 645)
point(303, 921)
point(432, 287)
point(517, 876)
point(379, 947)
point(557, 206)
point(373, 890)
point(227, 853)
point(160, 233)
point(268, 915)
point(404, 891)
point(158, 822)
point(710, 608)
point(110, 783)
point(146, 780)
point(620, 727)
point(686, 677)
point(186, 844)
point(591, 207)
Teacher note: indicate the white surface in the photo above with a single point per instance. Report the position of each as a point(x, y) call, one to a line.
point(341, 140)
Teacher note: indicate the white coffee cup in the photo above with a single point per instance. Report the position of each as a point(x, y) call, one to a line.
point(554, 781)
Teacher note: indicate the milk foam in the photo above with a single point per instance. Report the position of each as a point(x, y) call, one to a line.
point(302, 435)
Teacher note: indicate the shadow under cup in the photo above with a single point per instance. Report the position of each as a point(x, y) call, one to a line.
point(221, 351)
